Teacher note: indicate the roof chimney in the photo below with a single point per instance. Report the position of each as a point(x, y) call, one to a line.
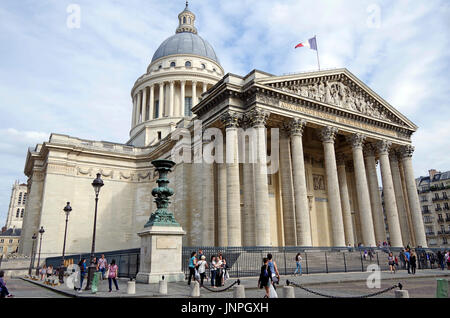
point(432, 172)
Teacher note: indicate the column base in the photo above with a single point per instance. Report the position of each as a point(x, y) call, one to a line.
point(154, 278)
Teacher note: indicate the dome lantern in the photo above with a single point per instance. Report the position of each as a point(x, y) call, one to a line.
point(186, 21)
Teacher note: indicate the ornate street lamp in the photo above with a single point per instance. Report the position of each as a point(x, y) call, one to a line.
point(97, 184)
point(34, 237)
point(67, 209)
point(41, 231)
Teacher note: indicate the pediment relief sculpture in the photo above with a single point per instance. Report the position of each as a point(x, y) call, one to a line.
point(339, 93)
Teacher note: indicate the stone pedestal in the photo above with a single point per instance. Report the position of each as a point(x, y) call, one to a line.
point(160, 254)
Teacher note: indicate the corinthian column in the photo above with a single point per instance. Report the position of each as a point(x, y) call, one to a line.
point(375, 196)
point(133, 115)
point(208, 202)
point(302, 220)
point(182, 97)
point(258, 118)
point(171, 98)
point(345, 199)
point(138, 108)
point(287, 190)
point(152, 102)
point(413, 197)
point(161, 99)
point(222, 220)
point(230, 119)
point(194, 93)
point(327, 135)
point(399, 199)
point(389, 196)
point(362, 190)
point(144, 104)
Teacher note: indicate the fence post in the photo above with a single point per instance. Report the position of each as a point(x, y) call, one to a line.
point(306, 258)
point(285, 266)
point(129, 262)
point(378, 261)
point(326, 262)
point(345, 263)
point(362, 265)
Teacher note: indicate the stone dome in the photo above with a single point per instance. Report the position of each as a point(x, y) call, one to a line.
point(185, 43)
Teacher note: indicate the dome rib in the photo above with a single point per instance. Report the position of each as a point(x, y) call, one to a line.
point(185, 43)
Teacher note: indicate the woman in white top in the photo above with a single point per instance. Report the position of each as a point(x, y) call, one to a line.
point(213, 271)
point(202, 266)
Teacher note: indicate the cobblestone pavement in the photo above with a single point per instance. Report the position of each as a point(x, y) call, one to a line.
point(423, 284)
point(22, 289)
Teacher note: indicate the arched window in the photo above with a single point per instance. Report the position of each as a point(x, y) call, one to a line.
point(172, 64)
point(17, 213)
point(187, 64)
point(184, 19)
point(160, 66)
point(189, 20)
point(21, 213)
point(203, 66)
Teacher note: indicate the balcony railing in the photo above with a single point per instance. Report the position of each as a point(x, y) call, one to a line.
point(429, 234)
point(438, 209)
point(439, 199)
point(428, 221)
point(440, 220)
point(426, 212)
point(446, 208)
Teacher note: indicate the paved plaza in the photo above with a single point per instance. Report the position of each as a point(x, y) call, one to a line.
point(423, 284)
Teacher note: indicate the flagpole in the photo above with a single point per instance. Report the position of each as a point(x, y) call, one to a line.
point(317, 53)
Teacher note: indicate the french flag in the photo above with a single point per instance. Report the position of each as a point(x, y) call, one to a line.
point(311, 43)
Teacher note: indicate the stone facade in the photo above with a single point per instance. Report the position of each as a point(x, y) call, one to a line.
point(17, 203)
point(324, 193)
point(434, 191)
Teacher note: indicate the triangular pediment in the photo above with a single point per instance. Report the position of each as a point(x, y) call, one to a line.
point(339, 88)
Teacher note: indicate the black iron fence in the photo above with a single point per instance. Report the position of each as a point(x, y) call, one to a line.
point(247, 261)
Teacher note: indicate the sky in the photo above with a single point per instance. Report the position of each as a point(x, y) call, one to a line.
point(56, 77)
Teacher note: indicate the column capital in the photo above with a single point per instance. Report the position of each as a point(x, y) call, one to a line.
point(406, 151)
point(183, 82)
point(172, 82)
point(194, 83)
point(328, 134)
point(257, 117)
point(340, 159)
point(231, 119)
point(296, 126)
point(161, 84)
point(369, 150)
point(356, 140)
point(383, 146)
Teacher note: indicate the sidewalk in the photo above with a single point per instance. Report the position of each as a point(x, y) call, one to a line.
point(182, 290)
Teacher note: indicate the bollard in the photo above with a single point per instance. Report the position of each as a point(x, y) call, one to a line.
point(441, 288)
point(131, 287)
point(239, 291)
point(195, 292)
point(401, 294)
point(163, 287)
point(288, 292)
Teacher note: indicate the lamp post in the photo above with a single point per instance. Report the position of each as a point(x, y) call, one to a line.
point(34, 237)
point(67, 209)
point(41, 231)
point(96, 184)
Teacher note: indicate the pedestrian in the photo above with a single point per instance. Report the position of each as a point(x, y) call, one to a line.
point(113, 274)
point(264, 277)
point(298, 261)
point(102, 265)
point(219, 270)
point(202, 266)
point(43, 272)
point(274, 270)
point(432, 259)
point(213, 270)
point(226, 268)
point(407, 255)
point(447, 259)
point(413, 262)
point(83, 268)
point(49, 271)
point(4, 292)
point(192, 266)
point(440, 258)
point(401, 256)
point(391, 262)
point(200, 254)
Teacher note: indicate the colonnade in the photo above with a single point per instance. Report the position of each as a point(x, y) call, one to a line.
point(144, 99)
point(251, 226)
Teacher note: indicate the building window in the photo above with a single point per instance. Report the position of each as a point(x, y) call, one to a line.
point(159, 135)
point(17, 213)
point(203, 66)
point(444, 241)
point(214, 69)
point(187, 64)
point(20, 198)
point(444, 195)
point(184, 19)
point(157, 109)
point(159, 67)
point(2, 241)
point(172, 64)
point(21, 213)
point(24, 198)
point(10, 241)
point(187, 106)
